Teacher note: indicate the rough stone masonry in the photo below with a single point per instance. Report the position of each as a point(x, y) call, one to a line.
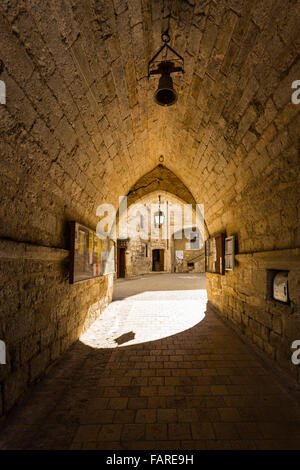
point(80, 128)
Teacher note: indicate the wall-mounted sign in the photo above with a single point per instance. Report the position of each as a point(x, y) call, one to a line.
point(280, 286)
point(2, 352)
point(90, 256)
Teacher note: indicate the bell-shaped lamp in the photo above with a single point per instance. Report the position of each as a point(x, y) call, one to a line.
point(165, 94)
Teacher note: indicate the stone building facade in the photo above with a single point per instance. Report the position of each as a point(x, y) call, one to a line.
point(142, 248)
point(188, 258)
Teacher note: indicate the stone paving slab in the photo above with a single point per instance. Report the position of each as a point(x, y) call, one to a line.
point(185, 380)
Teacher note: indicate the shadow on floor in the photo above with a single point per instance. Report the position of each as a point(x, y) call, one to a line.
point(125, 338)
point(199, 389)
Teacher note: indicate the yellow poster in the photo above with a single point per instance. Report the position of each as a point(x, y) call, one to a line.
point(98, 250)
point(91, 239)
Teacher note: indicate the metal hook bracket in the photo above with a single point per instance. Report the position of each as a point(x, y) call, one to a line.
point(165, 37)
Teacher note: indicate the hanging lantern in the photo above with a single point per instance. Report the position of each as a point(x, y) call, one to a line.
point(158, 216)
point(165, 94)
point(158, 219)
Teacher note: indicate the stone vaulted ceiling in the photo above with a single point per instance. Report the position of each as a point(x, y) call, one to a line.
point(81, 127)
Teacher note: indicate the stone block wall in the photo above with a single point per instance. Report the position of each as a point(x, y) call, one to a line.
point(191, 256)
point(242, 296)
point(41, 313)
point(136, 261)
point(195, 256)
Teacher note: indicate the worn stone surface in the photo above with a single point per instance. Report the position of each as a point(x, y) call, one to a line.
point(193, 260)
point(41, 316)
point(182, 381)
point(242, 296)
point(80, 128)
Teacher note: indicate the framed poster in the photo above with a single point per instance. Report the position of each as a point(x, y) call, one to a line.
point(214, 254)
point(90, 256)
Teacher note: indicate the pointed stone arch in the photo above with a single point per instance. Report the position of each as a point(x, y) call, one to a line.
point(160, 179)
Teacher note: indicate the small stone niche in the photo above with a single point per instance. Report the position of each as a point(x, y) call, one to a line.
point(272, 276)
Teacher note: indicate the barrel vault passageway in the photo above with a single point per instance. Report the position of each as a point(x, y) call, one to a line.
point(83, 133)
point(157, 371)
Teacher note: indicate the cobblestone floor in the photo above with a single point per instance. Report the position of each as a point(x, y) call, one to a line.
point(157, 371)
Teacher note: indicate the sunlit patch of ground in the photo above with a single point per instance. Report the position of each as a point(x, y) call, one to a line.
point(150, 314)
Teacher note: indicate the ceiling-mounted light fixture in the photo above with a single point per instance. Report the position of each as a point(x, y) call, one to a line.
point(165, 94)
point(158, 216)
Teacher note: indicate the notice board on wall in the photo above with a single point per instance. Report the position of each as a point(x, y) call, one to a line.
point(90, 256)
point(214, 254)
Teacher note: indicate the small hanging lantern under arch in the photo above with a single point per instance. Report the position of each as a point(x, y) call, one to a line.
point(159, 216)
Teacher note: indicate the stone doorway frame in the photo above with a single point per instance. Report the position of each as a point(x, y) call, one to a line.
point(158, 262)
